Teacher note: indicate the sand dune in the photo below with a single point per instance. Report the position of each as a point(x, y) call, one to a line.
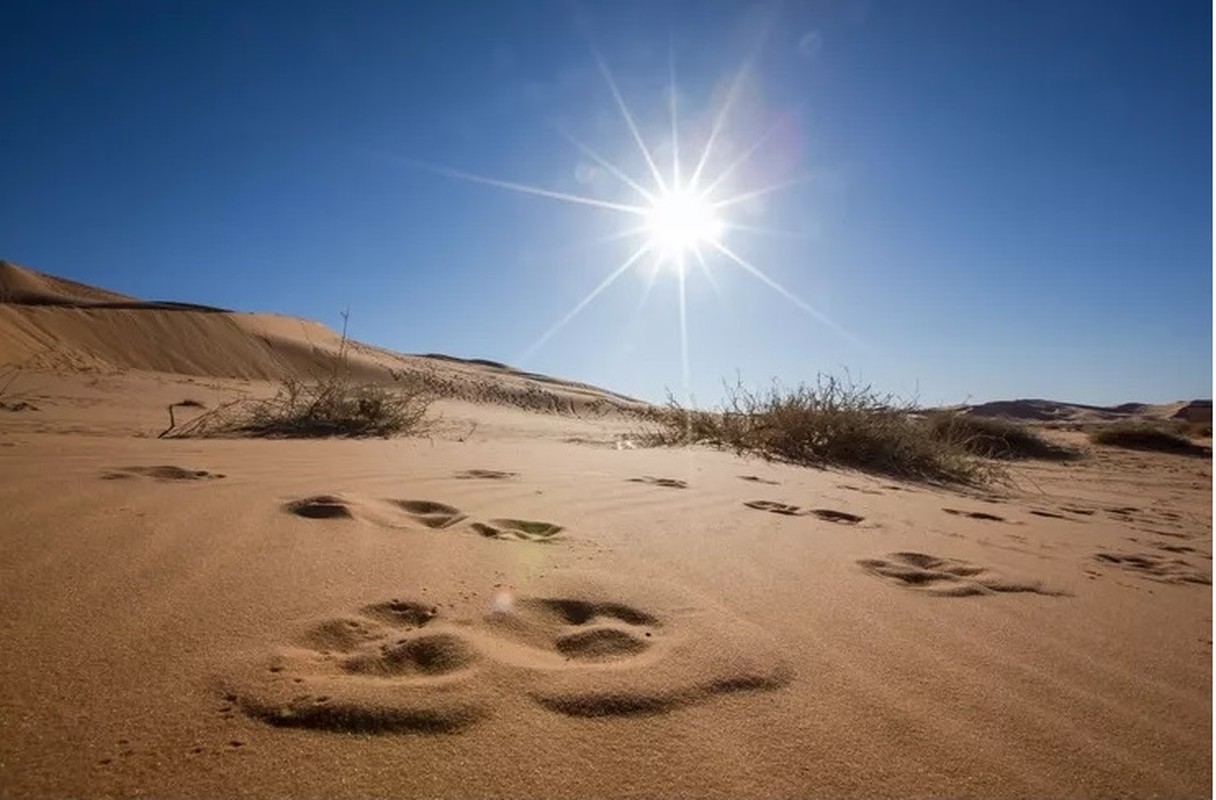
point(48, 323)
point(523, 605)
point(1052, 411)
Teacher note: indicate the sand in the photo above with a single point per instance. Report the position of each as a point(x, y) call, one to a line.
point(525, 604)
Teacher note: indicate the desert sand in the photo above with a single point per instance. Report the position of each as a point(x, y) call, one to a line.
point(524, 603)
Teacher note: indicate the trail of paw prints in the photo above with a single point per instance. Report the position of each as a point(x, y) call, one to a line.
point(166, 472)
point(828, 514)
point(1162, 569)
point(669, 483)
point(395, 513)
point(945, 577)
point(386, 669)
point(581, 645)
point(486, 474)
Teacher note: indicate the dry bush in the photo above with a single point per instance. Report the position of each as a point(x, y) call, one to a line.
point(332, 405)
point(833, 422)
point(1194, 429)
point(1146, 436)
point(335, 407)
point(993, 437)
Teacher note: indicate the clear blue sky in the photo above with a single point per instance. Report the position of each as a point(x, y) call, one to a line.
point(997, 199)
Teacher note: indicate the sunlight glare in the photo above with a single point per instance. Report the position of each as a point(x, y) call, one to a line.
point(679, 221)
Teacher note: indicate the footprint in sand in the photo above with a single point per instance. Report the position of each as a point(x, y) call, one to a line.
point(852, 488)
point(430, 513)
point(945, 577)
point(670, 483)
point(840, 517)
point(828, 514)
point(1049, 514)
point(320, 506)
point(758, 479)
point(486, 474)
point(974, 514)
point(774, 507)
point(580, 645)
point(381, 671)
point(1157, 568)
point(160, 473)
point(520, 530)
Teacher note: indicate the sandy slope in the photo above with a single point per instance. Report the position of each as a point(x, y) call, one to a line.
point(524, 605)
point(175, 634)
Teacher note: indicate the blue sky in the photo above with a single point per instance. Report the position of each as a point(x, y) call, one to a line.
point(995, 199)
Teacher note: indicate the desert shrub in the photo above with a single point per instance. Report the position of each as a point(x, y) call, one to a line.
point(335, 407)
point(1146, 436)
point(331, 404)
point(994, 437)
point(833, 422)
point(1193, 429)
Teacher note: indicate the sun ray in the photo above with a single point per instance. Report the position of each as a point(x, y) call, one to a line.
point(708, 273)
point(525, 188)
point(608, 165)
point(765, 231)
point(775, 187)
point(651, 276)
point(572, 313)
point(747, 154)
point(786, 293)
point(633, 128)
point(675, 127)
point(719, 119)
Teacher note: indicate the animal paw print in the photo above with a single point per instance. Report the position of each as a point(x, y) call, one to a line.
point(620, 658)
point(321, 506)
point(670, 483)
point(945, 577)
point(383, 670)
point(974, 514)
point(774, 507)
point(430, 513)
point(166, 472)
point(519, 530)
point(486, 474)
point(1158, 568)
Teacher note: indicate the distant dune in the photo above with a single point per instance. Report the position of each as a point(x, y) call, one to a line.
point(1052, 411)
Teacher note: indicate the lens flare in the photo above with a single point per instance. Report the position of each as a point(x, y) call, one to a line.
point(680, 221)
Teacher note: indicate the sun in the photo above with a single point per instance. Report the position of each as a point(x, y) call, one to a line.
point(679, 222)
